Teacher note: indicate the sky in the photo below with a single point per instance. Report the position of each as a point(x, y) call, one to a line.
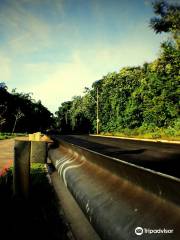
point(56, 48)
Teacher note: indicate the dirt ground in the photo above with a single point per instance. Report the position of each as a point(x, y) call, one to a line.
point(6, 153)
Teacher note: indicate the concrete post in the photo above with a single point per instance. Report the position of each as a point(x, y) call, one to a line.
point(32, 150)
point(38, 152)
point(21, 173)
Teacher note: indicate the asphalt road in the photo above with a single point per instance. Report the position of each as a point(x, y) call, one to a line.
point(161, 157)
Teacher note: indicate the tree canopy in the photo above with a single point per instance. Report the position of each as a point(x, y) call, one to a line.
point(168, 19)
point(20, 113)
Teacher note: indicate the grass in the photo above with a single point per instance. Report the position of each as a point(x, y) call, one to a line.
point(4, 136)
point(169, 134)
point(36, 218)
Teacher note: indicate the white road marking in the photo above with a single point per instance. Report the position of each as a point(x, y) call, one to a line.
point(61, 160)
point(70, 160)
point(71, 167)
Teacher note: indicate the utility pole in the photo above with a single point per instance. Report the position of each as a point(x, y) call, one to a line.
point(97, 112)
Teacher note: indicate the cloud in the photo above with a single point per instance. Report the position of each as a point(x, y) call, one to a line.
point(5, 68)
point(55, 56)
point(56, 83)
point(25, 32)
point(65, 81)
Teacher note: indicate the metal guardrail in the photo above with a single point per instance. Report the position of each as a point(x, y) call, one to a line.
point(121, 200)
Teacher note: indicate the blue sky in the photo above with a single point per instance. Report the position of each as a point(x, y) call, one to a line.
point(55, 48)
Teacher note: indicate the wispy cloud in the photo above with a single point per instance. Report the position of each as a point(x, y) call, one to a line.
point(28, 33)
point(56, 48)
point(65, 81)
point(25, 31)
point(5, 68)
point(60, 81)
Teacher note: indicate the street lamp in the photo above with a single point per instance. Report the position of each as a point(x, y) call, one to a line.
point(97, 112)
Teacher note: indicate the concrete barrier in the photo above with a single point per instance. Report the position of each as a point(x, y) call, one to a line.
point(35, 136)
point(38, 152)
point(26, 151)
point(21, 170)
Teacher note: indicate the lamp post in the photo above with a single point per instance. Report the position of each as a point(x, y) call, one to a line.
point(66, 116)
point(97, 112)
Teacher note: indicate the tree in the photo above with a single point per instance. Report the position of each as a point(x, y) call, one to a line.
point(79, 115)
point(20, 108)
point(3, 104)
point(63, 121)
point(3, 110)
point(168, 20)
point(18, 115)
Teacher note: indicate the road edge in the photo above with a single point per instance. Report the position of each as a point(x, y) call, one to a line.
point(137, 139)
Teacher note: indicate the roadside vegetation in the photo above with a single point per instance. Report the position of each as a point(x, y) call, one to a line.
point(169, 134)
point(138, 101)
point(19, 112)
point(4, 135)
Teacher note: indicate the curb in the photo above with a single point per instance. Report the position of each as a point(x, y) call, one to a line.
point(138, 139)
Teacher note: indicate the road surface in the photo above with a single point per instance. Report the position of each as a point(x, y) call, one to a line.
point(161, 157)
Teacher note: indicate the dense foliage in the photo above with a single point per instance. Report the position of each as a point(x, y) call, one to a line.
point(20, 113)
point(143, 98)
point(168, 19)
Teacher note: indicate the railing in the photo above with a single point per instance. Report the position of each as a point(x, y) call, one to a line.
point(121, 200)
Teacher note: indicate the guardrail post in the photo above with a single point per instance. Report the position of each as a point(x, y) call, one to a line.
point(26, 151)
point(38, 148)
point(38, 152)
point(21, 174)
